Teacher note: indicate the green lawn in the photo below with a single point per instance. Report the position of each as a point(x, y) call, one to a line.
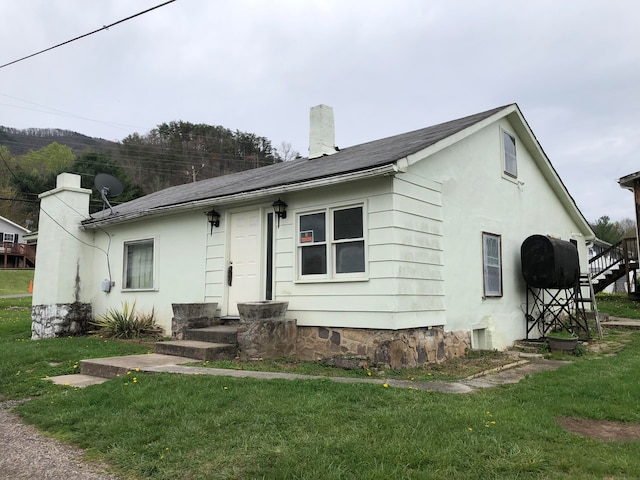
point(15, 281)
point(199, 427)
point(618, 305)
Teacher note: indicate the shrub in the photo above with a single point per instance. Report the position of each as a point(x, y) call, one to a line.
point(127, 323)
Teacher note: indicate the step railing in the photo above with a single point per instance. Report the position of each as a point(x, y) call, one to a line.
point(621, 255)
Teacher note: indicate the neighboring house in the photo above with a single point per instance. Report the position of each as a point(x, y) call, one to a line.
point(631, 182)
point(14, 252)
point(407, 241)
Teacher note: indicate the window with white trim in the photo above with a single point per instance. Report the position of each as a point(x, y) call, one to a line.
point(331, 243)
point(138, 265)
point(492, 264)
point(509, 154)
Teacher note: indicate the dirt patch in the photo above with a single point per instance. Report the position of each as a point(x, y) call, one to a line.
point(601, 429)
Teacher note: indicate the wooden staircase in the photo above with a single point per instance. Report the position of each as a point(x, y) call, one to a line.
point(218, 342)
point(618, 261)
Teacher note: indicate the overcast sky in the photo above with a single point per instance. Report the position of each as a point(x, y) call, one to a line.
point(386, 67)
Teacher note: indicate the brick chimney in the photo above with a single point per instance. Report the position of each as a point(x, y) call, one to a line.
point(322, 135)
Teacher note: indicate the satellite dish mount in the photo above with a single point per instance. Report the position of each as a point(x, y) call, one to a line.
point(108, 186)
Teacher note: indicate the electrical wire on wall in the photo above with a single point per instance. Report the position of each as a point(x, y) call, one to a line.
point(106, 252)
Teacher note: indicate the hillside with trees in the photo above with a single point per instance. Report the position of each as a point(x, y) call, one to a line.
point(172, 154)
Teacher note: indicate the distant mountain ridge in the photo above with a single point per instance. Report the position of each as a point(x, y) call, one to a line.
point(21, 141)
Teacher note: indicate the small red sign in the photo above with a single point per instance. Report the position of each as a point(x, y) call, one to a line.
point(306, 237)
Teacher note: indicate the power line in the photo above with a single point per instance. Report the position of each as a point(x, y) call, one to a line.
point(104, 27)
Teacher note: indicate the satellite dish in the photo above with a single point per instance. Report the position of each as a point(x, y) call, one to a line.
point(109, 186)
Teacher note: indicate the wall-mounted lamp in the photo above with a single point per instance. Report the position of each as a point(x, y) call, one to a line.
point(213, 218)
point(280, 209)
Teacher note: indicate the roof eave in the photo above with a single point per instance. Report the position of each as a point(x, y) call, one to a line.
point(387, 169)
point(628, 181)
point(550, 173)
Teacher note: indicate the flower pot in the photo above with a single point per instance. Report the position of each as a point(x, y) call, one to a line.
point(566, 345)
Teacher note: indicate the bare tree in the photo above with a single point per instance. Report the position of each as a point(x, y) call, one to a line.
point(286, 153)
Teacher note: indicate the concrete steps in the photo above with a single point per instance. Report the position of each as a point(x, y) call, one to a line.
point(204, 351)
point(218, 342)
point(217, 334)
point(113, 366)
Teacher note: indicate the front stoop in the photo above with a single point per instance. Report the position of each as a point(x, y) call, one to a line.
point(205, 351)
point(217, 334)
point(219, 342)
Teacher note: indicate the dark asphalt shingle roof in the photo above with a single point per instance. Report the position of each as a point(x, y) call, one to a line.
point(351, 159)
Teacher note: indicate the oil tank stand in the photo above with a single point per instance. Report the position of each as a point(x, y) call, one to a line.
point(550, 309)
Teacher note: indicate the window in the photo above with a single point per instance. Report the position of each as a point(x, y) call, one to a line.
point(9, 237)
point(492, 264)
point(138, 264)
point(331, 243)
point(509, 150)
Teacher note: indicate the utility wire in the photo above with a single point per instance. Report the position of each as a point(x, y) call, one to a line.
point(104, 27)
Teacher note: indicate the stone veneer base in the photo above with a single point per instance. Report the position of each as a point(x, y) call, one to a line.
point(393, 348)
point(62, 319)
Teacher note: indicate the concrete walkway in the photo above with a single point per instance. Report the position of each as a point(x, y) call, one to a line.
point(99, 370)
point(616, 322)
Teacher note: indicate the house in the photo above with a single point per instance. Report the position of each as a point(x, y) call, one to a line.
point(405, 248)
point(14, 252)
point(631, 182)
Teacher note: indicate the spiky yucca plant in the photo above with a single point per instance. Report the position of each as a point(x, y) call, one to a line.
point(126, 323)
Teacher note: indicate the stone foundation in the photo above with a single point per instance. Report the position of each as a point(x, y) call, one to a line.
point(267, 339)
point(264, 332)
point(192, 315)
point(391, 348)
point(59, 320)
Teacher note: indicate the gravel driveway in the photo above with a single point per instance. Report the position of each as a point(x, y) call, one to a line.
point(26, 453)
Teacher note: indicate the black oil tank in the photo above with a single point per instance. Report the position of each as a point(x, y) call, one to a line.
point(549, 262)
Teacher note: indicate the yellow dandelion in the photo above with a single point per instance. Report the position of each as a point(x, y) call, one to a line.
point(66, 384)
point(385, 385)
point(470, 429)
point(135, 380)
point(137, 369)
point(161, 457)
point(493, 423)
point(128, 372)
point(368, 373)
point(412, 379)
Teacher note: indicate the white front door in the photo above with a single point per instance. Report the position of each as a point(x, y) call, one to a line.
point(243, 269)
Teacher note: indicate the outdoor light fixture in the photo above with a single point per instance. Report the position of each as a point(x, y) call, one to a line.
point(213, 218)
point(280, 209)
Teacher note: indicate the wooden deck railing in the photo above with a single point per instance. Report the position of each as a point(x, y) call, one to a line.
point(10, 249)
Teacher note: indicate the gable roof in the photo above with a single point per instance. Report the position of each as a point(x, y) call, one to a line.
point(373, 158)
point(13, 224)
point(360, 158)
